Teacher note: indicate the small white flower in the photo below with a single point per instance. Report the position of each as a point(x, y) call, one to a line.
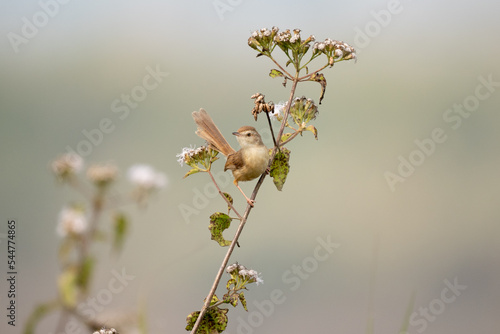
point(72, 220)
point(296, 36)
point(232, 267)
point(279, 110)
point(255, 276)
point(144, 176)
point(190, 152)
point(185, 151)
point(252, 274)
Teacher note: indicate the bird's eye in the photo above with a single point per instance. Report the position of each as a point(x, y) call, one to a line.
point(249, 134)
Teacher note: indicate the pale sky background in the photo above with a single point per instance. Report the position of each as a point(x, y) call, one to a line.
point(440, 225)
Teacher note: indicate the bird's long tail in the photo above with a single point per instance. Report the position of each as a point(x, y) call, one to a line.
point(209, 131)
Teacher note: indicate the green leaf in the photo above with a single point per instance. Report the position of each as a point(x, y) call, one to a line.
point(232, 281)
point(231, 299)
point(191, 320)
point(38, 313)
point(120, 229)
point(219, 318)
point(218, 223)
point(215, 299)
point(68, 290)
point(85, 273)
point(275, 73)
point(285, 137)
point(191, 172)
point(280, 167)
point(243, 301)
point(313, 130)
point(320, 78)
point(214, 321)
point(230, 199)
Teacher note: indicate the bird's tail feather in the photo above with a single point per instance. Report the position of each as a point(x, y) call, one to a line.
point(209, 131)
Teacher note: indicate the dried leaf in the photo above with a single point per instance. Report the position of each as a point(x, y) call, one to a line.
point(218, 223)
point(275, 73)
point(280, 167)
point(319, 77)
point(191, 172)
point(230, 199)
point(243, 301)
point(313, 130)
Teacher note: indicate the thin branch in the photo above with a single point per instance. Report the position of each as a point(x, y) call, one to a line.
point(288, 75)
point(61, 323)
point(285, 116)
point(271, 127)
point(222, 194)
point(310, 74)
point(310, 60)
point(290, 138)
point(244, 218)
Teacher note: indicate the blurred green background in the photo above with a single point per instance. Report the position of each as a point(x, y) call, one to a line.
point(416, 60)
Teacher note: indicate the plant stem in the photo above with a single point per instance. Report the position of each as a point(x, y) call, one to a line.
point(83, 254)
point(222, 194)
point(271, 127)
point(293, 135)
point(288, 76)
point(310, 74)
point(245, 215)
point(61, 323)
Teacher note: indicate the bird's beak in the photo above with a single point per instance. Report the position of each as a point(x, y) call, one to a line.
point(236, 133)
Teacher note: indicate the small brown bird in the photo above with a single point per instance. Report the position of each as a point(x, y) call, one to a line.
point(247, 163)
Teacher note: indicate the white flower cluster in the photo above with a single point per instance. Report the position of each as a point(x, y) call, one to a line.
point(145, 177)
point(72, 221)
point(264, 32)
point(189, 152)
point(242, 271)
point(340, 49)
point(296, 36)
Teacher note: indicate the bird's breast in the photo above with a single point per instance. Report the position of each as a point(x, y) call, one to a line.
point(256, 160)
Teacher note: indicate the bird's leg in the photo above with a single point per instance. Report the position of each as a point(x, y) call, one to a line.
point(249, 201)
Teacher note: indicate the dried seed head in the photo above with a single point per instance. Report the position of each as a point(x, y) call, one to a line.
point(102, 175)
